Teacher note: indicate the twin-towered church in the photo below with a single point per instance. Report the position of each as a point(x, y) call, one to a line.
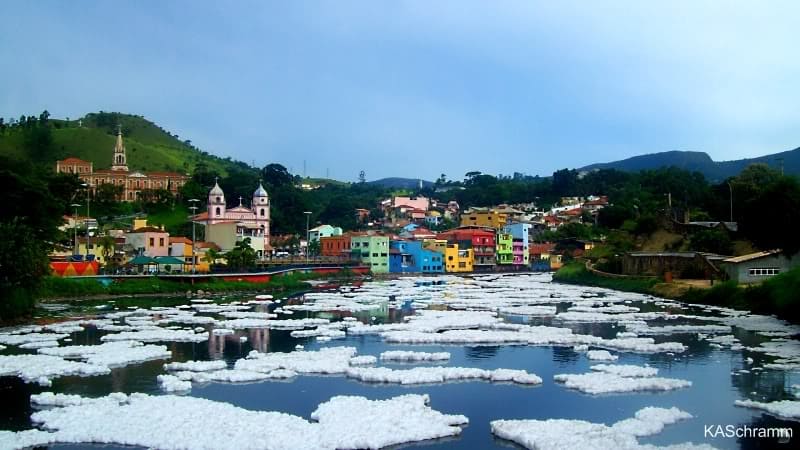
point(226, 226)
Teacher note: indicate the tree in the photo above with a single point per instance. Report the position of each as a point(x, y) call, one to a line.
point(242, 255)
point(712, 241)
point(314, 248)
point(276, 175)
point(23, 264)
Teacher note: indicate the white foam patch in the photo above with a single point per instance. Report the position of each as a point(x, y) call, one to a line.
point(196, 366)
point(626, 370)
point(425, 375)
point(157, 335)
point(789, 409)
point(413, 357)
point(179, 422)
point(607, 383)
point(28, 338)
point(42, 369)
point(601, 355)
point(171, 383)
point(529, 310)
point(330, 360)
point(559, 434)
point(111, 354)
point(365, 360)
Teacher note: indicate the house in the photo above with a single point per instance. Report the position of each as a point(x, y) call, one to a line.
point(372, 251)
point(412, 257)
point(181, 248)
point(458, 260)
point(539, 255)
point(410, 227)
point(321, 231)
point(362, 215)
point(338, 246)
point(115, 255)
point(520, 233)
point(204, 262)
point(419, 234)
point(433, 218)
point(504, 250)
point(481, 217)
point(148, 241)
point(482, 241)
point(757, 267)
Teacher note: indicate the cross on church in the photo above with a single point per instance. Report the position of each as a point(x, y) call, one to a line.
point(240, 200)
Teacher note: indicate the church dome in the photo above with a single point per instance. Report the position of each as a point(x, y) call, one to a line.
point(260, 192)
point(216, 190)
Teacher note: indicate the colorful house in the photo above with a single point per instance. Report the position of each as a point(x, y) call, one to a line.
point(412, 257)
point(504, 248)
point(458, 260)
point(480, 217)
point(539, 256)
point(520, 233)
point(148, 241)
point(372, 251)
point(338, 246)
point(321, 231)
point(481, 240)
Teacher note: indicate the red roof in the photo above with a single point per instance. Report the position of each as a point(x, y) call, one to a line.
point(179, 240)
point(148, 230)
point(73, 160)
point(207, 245)
point(538, 249)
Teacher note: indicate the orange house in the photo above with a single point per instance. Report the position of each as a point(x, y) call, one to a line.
point(335, 245)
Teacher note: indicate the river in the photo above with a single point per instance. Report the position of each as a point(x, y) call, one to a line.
point(523, 322)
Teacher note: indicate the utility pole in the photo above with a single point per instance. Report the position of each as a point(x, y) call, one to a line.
point(88, 232)
point(308, 241)
point(193, 201)
point(75, 227)
point(730, 186)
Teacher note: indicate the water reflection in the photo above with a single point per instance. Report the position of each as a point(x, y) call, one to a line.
point(481, 352)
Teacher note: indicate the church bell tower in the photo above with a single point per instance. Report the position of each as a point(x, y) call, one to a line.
point(120, 162)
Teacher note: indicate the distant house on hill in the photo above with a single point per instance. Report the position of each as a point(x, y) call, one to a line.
point(132, 184)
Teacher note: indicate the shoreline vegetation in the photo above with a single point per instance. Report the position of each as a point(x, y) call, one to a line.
point(776, 296)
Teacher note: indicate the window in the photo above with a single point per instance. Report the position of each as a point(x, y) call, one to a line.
point(160, 242)
point(760, 272)
point(384, 255)
point(219, 199)
point(449, 258)
point(152, 242)
point(217, 210)
point(374, 255)
point(262, 212)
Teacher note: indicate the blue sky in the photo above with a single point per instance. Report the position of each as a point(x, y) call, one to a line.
point(419, 88)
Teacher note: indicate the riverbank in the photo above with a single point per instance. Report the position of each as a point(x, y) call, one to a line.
point(777, 296)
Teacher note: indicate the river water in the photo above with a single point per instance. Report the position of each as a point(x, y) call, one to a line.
point(720, 374)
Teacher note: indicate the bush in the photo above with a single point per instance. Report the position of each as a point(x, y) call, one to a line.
point(712, 241)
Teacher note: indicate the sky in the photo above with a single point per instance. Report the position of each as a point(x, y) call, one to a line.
point(418, 88)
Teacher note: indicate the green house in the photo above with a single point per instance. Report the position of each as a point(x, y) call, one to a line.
point(372, 251)
point(505, 248)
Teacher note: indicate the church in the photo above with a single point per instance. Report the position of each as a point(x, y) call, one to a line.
point(132, 183)
point(226, 226)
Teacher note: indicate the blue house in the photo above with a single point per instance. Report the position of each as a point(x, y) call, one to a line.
point(410, 257)
point(410, 227)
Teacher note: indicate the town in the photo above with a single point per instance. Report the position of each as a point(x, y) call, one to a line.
point(499, 238)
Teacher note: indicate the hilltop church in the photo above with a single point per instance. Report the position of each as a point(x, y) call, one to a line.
point(132, 183)
point(226, 226)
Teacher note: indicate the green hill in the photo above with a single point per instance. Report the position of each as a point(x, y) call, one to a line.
point(149, 147)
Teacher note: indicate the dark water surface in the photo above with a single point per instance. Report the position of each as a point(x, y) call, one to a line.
point(713, 372)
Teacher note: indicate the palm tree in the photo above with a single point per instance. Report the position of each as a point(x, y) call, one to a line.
point(108, 243)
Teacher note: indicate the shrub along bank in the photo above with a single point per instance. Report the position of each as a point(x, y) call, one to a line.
point(57, 287)
point(777, 295)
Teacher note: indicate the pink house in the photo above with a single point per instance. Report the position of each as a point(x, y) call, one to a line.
point(149, 241)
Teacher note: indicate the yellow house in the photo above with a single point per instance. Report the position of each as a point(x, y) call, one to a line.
point(95, 248)
point(457, 260)
point(482, 218)
point(555, 262)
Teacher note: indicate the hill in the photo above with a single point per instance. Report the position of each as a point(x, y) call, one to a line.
point(701, 162)
point(401, 183)
point(149, 147)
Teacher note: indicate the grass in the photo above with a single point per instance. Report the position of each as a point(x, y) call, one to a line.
point(149, 148)
point(576, 273)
